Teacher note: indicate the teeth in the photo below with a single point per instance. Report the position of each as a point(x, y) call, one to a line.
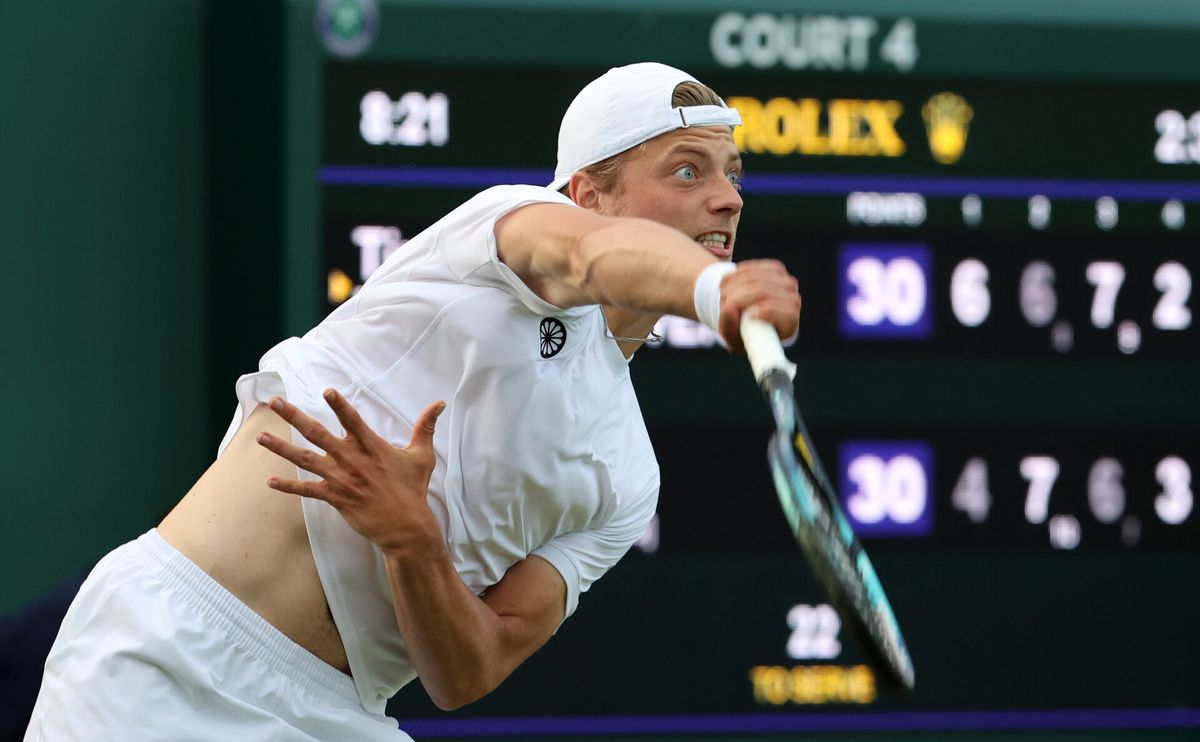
point(711, 240)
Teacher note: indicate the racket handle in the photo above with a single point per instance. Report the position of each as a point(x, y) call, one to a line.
point(764, 349)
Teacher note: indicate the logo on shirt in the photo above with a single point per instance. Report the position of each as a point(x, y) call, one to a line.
point(554, 337)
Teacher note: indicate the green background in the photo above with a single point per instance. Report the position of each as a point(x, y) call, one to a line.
point(103, 166)
point(140, 168)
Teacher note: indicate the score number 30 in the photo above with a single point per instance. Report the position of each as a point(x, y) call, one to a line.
point(886, 487)
point(885, 290)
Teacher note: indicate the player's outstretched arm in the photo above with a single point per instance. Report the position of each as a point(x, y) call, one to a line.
point(462, 646)
point(574, 257)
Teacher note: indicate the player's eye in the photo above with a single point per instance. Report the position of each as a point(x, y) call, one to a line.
point(735, 178)
point(687, 172)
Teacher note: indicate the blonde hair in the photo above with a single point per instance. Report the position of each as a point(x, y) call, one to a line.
point(607, 173)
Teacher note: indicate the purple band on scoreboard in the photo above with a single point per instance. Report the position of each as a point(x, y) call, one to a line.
point(886, 290)
point(886, 487)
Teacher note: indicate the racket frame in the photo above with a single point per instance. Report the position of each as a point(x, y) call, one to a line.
point(823, 532)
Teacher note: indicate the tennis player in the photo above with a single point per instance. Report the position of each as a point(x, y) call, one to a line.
point(423, 485)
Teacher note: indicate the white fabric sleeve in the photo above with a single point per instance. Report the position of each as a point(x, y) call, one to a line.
point(467, 239)
point(583, 557)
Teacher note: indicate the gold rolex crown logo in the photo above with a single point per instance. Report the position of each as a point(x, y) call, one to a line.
point(946, 118)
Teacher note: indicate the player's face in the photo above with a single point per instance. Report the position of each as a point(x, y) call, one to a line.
point(688, 179)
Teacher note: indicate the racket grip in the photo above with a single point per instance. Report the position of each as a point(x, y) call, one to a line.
point(764, 349)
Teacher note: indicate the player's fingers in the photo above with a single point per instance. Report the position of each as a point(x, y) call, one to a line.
point(729, 324)
point(772, 272)
point(780, 309)
point(758, 285)
point(761, 264)
point(422, 437)
point(774, 296)
point(315, 490)
point(355, 426)
point(751, 272)
point(308, 426)
point(783, 316)
point(305, 458)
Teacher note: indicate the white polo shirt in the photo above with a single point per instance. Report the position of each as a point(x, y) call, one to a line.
point(541, 450)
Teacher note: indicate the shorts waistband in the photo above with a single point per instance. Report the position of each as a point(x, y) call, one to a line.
point(268, 644)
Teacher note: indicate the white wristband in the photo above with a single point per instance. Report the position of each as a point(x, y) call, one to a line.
point(708, 293)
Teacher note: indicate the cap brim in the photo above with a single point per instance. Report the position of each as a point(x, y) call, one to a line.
point(558, 183)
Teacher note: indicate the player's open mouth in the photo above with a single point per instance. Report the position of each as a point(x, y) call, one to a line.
point(717, 243)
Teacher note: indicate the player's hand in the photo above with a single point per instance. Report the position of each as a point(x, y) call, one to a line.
point(378, 488)
point(766, 290)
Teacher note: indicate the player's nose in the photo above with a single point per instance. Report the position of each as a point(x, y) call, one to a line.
point(726, 199)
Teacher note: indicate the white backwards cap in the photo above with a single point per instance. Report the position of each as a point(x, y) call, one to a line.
point(623, 108)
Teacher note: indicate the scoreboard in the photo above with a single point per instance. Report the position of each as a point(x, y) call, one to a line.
point(995, 222)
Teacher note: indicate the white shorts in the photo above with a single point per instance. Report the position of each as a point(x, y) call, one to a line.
point(153, 648)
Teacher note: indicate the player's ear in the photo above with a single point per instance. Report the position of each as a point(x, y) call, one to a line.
point(583, 191)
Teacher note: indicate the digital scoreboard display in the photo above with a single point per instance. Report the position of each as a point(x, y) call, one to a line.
point(995, 229)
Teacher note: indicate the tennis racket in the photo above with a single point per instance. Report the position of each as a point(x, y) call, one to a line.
point(809, 502)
